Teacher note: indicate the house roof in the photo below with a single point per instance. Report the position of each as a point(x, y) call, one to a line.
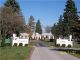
point(47, 34)
point(24, 33)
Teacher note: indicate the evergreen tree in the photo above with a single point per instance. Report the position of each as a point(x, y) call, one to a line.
point(60, 26)
point(70, 17)
point(76, 30)
point(31, 24)
point(55, 31)
point(38, 27)
point(13, 4)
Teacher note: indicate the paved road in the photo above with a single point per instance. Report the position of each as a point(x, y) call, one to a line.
point(45, 53)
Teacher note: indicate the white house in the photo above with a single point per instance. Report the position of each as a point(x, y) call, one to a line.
point(47, 35)
point(23, 38)
point(36, 36)
point(65, 41)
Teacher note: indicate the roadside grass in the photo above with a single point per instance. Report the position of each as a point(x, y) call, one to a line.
point(32, 42)
point(74, 54)
point(48, 43)
point(75, 45)
point(15, 53)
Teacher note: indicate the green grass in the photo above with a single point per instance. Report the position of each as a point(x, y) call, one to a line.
point(74, 54)
point(75, 45)
point(32, 42)
point(48, 43)
point(14, 53)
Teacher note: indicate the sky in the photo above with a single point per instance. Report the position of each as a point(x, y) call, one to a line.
point(48, 11)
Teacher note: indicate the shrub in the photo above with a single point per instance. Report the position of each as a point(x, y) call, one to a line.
point(7, 44)
point(54, 40)
point(15, 44)
point(26, 45)
point(78, 52)
point(3, 43)
point(63, 45)
point(69, 45)
point(57, 45)
point(51, 40)
point(20, 44)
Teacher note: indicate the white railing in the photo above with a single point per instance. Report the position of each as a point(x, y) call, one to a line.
point(24, 40)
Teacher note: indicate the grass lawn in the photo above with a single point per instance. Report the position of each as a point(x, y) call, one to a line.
point(14, 53)
point(48, 43)
point(76, 55)
point(76, 45)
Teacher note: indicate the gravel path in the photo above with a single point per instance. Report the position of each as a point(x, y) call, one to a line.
point(45, 53)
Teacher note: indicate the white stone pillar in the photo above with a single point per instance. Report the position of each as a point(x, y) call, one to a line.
point(70, 37)
point(23, 44)
point(17, 44)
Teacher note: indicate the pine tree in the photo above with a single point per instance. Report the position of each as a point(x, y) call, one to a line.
point(38, 27)
point(60, 26)
point(55, 31)
point(31, 24)
point(70, 17)
point(13, 4)
point(76, 30)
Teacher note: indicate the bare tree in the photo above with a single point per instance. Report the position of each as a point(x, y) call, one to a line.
point(47, 29)
point(27, 29)
point(10, 22)
point(7, 18)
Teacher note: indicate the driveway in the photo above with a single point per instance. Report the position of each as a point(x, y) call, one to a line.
point(45, 53)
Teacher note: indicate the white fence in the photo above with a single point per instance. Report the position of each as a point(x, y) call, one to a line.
point(65, 41)
point(24, 39)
